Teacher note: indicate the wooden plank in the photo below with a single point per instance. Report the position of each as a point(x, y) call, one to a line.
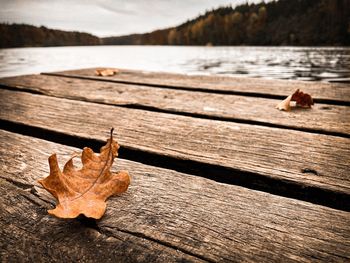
point(165, 216)
point(279, 154)
point(321, 92)
point(29, 234)
point(329, 119)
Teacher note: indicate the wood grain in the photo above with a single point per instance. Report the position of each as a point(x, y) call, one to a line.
point(268, 152)
point(165, 216)
point(322, 118)
point(330, 92)
point(29, 234)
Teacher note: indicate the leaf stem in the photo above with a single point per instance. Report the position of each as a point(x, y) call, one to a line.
point(112, 133)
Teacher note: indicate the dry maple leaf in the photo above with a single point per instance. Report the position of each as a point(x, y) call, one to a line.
point(106, 72)
point(302, 100)
point(85, 191)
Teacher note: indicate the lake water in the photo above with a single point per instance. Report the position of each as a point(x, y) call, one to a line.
point(330, 64)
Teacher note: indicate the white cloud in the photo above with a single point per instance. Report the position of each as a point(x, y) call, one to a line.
point(107, 17)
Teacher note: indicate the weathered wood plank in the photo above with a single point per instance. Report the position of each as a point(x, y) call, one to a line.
point(29, 234)
point(165, 216)
point(331, 92)
point(322, 118)
point(268, 152)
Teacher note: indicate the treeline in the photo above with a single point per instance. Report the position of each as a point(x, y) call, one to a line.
point(21, 35)
point(283, 22)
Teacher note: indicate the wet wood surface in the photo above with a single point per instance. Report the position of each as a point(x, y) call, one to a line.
point(218, 174)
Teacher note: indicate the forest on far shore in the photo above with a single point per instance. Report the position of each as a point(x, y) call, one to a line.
point(283, 22)
point(22, 35)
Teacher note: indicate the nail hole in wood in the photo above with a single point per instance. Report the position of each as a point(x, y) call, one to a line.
point(308, 170)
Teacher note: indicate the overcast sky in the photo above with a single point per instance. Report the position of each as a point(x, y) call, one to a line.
point(107, 17)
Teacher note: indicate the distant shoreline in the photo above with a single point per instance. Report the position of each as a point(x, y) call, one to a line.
point(22, 35)
point(194, 46)
point(316, 23)
point(276, 23)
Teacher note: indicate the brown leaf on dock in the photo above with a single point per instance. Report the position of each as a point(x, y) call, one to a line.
point(85, 191)
point(106, 72)
point(302, 100)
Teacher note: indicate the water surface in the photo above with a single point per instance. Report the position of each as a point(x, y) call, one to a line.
point(330, 64)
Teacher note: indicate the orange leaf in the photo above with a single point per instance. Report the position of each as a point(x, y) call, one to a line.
point(302, 100)
point(106, 72)
point(85, 191)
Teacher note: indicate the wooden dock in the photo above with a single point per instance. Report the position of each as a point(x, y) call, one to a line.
point(218, 174)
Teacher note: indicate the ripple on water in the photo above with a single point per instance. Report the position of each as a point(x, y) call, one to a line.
point(330, 64)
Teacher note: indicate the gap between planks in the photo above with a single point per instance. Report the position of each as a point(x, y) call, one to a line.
point(331, 93)
point(164, 216)
point(322, 119)
point(229, 158)
point(217, 173)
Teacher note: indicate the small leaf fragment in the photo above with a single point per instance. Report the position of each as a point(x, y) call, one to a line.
point(85, 191)
point(302, 100)
point(284, 104)
point(106, 72)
